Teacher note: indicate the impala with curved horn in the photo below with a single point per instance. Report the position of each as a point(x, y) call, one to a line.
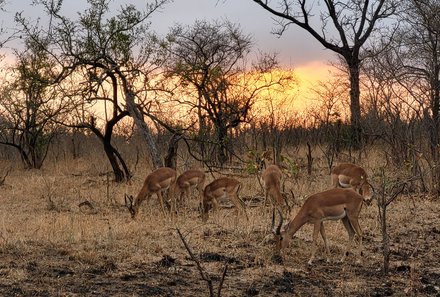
point(333, 204)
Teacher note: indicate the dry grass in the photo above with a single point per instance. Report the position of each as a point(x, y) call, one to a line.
point(50, 246)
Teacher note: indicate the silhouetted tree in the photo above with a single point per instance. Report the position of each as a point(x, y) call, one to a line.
point(114, 50)
point(30, 105)
point(341, 26)
point(210, 59)
point(409, 59)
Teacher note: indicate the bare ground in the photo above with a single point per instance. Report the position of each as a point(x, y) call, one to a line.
point(49, 246)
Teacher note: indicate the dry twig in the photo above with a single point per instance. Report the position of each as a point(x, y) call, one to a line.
point(205, 276)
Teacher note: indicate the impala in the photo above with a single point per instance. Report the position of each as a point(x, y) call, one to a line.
point(347, 175)
point(193, 178)
point(156, 182)
point(271, 179)
point(333, 204)
point(222, 188)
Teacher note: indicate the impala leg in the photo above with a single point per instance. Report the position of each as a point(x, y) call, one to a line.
point(160, 197)
point(180, 198)
point(240, 206)
point(316, 230)
point(354, 222)
point(200, 190)
point(324, 237)
point(266, 198)
point(183, 197)
point(215, 205)
point(173, 209)
point(351, 233)
point(335, 180)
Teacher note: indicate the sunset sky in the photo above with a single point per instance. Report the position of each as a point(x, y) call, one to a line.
point(296, 49)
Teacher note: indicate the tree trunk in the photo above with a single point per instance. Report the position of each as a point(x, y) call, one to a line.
point(173, 146)
point(127, 173)
point(109, 151)
point(202, 130)
point(24, 157)
point(222, 149)
point(434, 132)
point(385, 240)
point(138, 118)
point(309, 159)
point(355, 107)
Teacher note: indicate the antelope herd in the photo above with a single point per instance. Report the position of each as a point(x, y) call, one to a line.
point(343, 201)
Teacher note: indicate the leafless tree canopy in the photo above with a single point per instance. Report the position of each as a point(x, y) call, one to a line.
point(341, 26)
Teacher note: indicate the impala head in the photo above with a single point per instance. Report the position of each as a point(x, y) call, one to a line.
point(366, 190)
point(129, 204)
point(261, 159)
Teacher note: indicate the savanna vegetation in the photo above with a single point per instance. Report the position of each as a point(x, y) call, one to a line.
point(91, 105)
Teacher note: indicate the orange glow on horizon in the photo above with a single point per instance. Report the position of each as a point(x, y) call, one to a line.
point(309, 75)
point(294, 99)
point(299, 96)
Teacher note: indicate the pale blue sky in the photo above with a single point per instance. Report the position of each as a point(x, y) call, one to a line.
point(295, 48)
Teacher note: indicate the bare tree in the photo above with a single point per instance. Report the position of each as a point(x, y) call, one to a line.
point(5, 36)
point(270, 118)
point(31, 105)
point(329, 113)
point(409, 59)
point(210, 59)
point(118, 50)
point(345, 26)
point(388, 192)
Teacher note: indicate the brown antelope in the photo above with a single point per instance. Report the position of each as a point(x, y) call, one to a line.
point(333, 204)
point(271, 180)
point(193, 178)
point(347, 175)
point(222, 188)
point(157, 181)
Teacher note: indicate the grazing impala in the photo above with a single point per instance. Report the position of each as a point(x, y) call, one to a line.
point(157, 181)
point(333, 204)
point(222, 188)
point(271, 179)
point(347, 175)
point(193, 178)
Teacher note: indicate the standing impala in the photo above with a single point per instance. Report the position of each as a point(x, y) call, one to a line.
point(222, 188)
point(347, 175)
point(271, 179)
point(193, 178)
point(333, 204)
point(156, 182)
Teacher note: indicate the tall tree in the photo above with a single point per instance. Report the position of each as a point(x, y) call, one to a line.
point(30, 105)
point(116, 48)
point(410, 57)
point(210, 59)
point(420, 58)
point(342, 27)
